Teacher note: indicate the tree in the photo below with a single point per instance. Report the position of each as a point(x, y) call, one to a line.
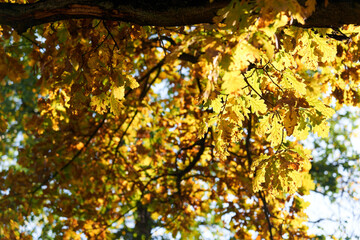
point(119, 118)
point(335, 170)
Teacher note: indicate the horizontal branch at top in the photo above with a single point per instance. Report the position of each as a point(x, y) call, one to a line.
point(154, 13)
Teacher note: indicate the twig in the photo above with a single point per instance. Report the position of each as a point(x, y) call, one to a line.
point(247, 82)
point(33, 41)
point(272, 79)
point(123, 135)
point(179, 174)
point(201, 143)
point(109, 32)
point(117, 219)
point(247, 141)
point(323, 219)
point(46, 181)
point(267, 214)
point(147, 88)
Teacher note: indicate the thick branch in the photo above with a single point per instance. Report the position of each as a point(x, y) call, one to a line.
point(154, 12)
point(335, 14)
point(192, 164)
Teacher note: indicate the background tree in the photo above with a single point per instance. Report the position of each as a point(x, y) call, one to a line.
point(93, 148)
point(335, 170)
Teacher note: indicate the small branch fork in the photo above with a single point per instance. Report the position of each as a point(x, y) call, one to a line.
point(52, 176)
point(253, 66)
point(180, 174)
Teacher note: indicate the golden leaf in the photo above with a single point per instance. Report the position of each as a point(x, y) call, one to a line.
point(290, 121)
point(119, 92)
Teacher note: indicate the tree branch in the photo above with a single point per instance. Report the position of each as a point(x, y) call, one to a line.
point(267, 214)
point(192, 164)
point(54, 175)
point(335, 14)
point(154, 12)
point(247, 141)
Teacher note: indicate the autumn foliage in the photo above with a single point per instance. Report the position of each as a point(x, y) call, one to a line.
point(110, 129)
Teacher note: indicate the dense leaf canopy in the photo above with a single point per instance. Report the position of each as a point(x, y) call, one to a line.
point(117, 119)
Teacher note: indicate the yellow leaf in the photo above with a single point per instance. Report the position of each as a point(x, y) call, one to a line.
point(259, 161)
point(307, 184)
point(306, 50)
point(99, 103)
point(322, 129)
point(217, 104)
point(289, 81)
point(328, 50)
point(259, 178)
point(302, 130)
point(115, 105)
point(320, 106)
point(275, 136)
point(244, 54)
point(264, 125)
point(133, 83)
point(284, 61)
point(257, 105)
point(290, 121)
point(233, 82)
point(119, 92)
point(3, 124)
point(79, 146)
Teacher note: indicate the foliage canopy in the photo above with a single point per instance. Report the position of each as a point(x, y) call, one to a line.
point(108, 124)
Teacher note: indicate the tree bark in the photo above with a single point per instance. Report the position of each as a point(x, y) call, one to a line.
point(155, 12)
point(141, 12)
point(143, 223)
point(334, 14)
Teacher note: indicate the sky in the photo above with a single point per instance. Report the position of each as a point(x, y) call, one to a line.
point(340, 217)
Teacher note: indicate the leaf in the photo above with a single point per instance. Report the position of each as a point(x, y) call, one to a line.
point(133, 83)
point(302, 130)
point(289, 81)
point(233, 82)
point(244, 54)
point(259, 179)
point(100, 103)
point(115, 106)
point(276, 131)
point(322, 129)
point(327, 50)
point(118, 92)
point(257, 105)
point(284, 61)
point(264, 125)
point(290, 121)
point(320, 106)
point(217, 104)
point(230, 14)
point(259, 161)
point(307, 51)
point(3, 124)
